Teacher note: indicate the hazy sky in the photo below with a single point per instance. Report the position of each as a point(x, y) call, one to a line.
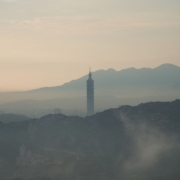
point(50, 42)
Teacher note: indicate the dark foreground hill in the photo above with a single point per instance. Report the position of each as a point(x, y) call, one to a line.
point(128, 143)
point(6, 118)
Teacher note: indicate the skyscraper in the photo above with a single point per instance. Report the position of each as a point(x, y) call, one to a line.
point(90, 95)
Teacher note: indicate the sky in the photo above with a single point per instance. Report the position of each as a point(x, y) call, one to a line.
point(47, 43)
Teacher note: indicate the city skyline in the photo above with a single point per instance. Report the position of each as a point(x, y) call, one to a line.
point(48, 43)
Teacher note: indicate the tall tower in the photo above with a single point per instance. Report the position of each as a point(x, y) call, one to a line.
point(90, 95)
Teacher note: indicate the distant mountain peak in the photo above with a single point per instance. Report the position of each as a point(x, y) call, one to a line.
point(129, 69)
point(167, 65)
point(111, 69)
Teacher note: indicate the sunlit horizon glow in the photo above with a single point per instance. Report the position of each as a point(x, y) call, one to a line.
point(51, 42)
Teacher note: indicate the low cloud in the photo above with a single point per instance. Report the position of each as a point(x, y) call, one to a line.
point(150, 145)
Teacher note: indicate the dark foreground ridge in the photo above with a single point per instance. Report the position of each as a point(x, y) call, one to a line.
point(7, 118)
point(127, 143)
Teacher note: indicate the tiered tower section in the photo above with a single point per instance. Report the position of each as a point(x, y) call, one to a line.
point(90, 95)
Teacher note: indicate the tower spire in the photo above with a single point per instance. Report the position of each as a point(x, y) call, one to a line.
point(90, 74)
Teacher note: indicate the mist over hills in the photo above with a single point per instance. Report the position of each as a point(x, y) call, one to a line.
point(127, 143)
point(68, 106)
point(112, 89)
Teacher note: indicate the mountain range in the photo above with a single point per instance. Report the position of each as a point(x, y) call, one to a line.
point(112, 89)
point(107, 81)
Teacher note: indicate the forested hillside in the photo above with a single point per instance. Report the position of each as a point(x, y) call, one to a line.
point(127, 143)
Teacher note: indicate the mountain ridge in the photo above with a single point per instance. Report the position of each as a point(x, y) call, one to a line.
point(163, 67)
point(111, 89)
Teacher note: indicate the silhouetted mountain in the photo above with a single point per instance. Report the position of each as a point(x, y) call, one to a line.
point(112, 89)
point(128, 143)
point(126, 81)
